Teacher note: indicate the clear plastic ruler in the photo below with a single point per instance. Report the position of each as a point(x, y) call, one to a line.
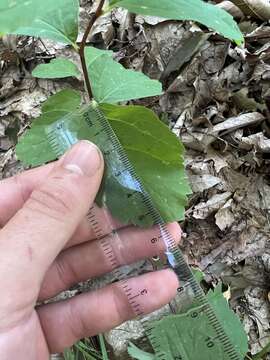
point(90, 123)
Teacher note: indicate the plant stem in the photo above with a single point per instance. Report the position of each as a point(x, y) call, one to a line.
point(92, 21)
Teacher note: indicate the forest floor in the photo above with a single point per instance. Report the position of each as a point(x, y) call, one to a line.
point(217, 101)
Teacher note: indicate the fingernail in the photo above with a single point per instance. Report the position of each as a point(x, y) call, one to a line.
point(84, 158)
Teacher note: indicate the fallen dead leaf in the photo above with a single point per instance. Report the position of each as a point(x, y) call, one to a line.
point(204, 209)
point(257, 8)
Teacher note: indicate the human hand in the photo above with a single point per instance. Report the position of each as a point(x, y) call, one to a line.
point(47, 245)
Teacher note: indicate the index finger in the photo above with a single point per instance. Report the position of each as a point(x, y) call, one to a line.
point(16, 190)
point(54, 210)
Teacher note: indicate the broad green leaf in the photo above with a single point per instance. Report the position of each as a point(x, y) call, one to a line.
point(154, 151)
point(57, 68)
point(196, 10)
point(157, 156)
point(231, 323)
point(92, 54)
point(112, 83)
point(53, 19)
point(33, 148)
point(192, 336)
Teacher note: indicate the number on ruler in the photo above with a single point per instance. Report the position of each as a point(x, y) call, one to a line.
point(154, 240)
point(180, 289)
point(209, 342)
point(87, 119)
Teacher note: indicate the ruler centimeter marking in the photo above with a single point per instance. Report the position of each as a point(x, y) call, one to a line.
point(61, 139)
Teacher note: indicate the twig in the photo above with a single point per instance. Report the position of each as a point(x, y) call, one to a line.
point(93, 19)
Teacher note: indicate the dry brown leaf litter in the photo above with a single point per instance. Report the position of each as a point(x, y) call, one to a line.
point(217, 100)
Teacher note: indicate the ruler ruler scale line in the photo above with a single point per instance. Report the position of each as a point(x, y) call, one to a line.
point(61, 139)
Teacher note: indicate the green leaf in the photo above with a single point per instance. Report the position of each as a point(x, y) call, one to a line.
point(154, 151)
point(262, 353)
point(139, 354)
point(230, 321)
point(92, 54)
point(103, 347)
point(198, 274)
point(157, 156)
point(33, 148)
point(178, 334)
point(57, 68)
point(53, 19)
point(196, 10)
point(112, 83)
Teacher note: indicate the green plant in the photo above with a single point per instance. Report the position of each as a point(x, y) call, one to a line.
point(154, 151)
point(263, 353)
point(85, 350)
point(187, 331)
point(156, 154)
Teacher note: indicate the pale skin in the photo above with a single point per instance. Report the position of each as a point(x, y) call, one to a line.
point(47, 245)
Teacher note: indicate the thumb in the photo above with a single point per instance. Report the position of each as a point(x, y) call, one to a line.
point(38, 232)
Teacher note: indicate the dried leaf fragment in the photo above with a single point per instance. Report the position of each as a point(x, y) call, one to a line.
point(256, 8)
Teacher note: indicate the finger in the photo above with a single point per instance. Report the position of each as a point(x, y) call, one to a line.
point(38, 231)
point(92, 259)
point(85, 231)
point(16, 190)
point(92, 313)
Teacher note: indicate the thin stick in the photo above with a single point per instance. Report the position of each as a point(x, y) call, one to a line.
point(92, 21)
